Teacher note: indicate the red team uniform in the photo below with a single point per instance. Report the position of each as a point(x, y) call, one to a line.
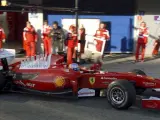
point(30, 37)
point(72, 43)
point(156, 47)
point(2, 36)
point(142, 41)
point(101, 34)
point(46, 39)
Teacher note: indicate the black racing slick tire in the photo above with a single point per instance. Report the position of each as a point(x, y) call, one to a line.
point(2, 81)
point(138, 72)
point(121, 94)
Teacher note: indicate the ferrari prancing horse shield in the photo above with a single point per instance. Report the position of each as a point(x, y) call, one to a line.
point(92, 80)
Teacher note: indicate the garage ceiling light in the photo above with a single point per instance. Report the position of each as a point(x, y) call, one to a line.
point(3, 2)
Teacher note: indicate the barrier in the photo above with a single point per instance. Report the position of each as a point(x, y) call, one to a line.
point(39, 62)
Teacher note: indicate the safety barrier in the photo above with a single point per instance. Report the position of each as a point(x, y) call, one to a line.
point(37, 62)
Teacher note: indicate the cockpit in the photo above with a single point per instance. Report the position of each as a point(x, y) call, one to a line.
point(74, 66)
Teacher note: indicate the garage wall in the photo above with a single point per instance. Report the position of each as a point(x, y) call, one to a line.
point(120, 29)
point(151, 9)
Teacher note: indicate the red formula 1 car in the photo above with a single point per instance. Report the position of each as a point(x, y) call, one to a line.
point(49, 75)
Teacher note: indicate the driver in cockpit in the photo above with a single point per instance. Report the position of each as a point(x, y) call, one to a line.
point(74, 66)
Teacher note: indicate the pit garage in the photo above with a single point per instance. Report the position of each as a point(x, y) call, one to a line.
point(148, 11)
point(119, 20)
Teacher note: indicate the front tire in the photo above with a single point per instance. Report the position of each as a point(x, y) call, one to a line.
point(121, 94)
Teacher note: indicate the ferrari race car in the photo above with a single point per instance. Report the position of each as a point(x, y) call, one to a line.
point(50, 75)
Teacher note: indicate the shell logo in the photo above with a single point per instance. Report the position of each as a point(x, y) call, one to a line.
point(151, 78)
point(59, 81)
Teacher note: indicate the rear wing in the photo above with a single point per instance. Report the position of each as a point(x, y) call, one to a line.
point(6, 57)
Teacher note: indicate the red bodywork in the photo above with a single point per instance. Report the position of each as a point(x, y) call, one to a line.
point(151, 104)
point(59, 77)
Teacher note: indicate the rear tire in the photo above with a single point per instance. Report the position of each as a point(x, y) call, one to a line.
point(2, 81)
point(121, 94)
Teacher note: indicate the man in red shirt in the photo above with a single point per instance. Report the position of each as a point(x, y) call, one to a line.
point(72, 43)
point(2, 36)
point(46, 39)
point(101, 34)
point(30, 38)
point(143, 34)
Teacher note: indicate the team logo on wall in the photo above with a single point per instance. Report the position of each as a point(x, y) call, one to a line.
point(151, 78)
point(59, 81)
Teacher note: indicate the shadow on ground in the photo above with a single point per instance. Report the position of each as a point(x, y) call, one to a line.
point(133, 61)
point(91, 103)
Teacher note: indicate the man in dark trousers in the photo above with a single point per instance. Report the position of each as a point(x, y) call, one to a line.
point(57, 35)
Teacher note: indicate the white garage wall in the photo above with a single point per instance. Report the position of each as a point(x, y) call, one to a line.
point(36, 20)
point(151, 8)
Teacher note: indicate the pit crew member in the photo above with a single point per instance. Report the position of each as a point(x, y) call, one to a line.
point(71, 43)
point(143, 34)
point(156, 47)
point(57, 35)
point(30, 39)
point(2, 36)
point(103, 34)
point(47, 41)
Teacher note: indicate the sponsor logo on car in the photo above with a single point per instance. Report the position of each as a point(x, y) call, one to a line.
point(19, 82)
point(151, 78)
point(59, 81)
point(108, 78)
point(30, 85)
point(149, 84)
point(92, 80)
point(105, 82)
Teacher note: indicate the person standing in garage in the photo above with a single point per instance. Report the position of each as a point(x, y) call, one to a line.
point(101, 34)
point(143, 34)
point(47, 41)
point(71, 43)
point(156, 47)
point(30, 39)
point(57, 35)
point(2, 36)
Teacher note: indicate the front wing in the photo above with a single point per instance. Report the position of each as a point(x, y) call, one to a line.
point(151, 103)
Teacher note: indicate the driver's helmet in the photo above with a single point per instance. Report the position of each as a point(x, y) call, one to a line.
point(74, 66)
